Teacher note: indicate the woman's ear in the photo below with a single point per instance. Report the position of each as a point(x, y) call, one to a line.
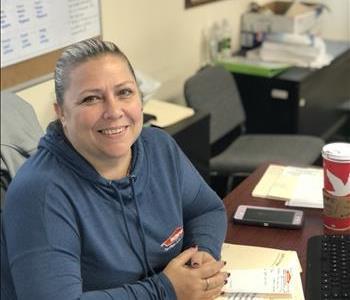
point(59, 113)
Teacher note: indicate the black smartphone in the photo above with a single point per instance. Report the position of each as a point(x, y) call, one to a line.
point(268, 216)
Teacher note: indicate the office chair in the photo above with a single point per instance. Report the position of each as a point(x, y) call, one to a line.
point(213, 89)
point(20, 134)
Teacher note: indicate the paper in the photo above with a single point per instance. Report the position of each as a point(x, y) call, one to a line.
point(166, 113)
point(266, 281)
point(298, 186)
point(148, 85)
point(249, 258)
point(33, 28)
point(308, 191)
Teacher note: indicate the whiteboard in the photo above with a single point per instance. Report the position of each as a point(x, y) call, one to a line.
point(30, 28)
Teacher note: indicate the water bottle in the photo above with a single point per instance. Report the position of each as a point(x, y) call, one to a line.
point(214, 42)
point(225, 40)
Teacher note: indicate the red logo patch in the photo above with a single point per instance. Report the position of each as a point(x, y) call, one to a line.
point(173, 239)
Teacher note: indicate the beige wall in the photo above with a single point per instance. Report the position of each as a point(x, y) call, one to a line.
point(41, 97)
point(161, 39)
point(335, 23)
point(166, 41)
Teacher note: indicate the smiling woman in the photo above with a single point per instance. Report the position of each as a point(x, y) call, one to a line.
point(101, 113)
point(107, 209)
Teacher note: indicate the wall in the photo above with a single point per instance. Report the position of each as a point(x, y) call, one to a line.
point(335, 23)
point(167, 42)
point(163, 38)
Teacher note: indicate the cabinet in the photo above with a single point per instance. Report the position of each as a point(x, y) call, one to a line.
point(299, 100)
point(192, 135)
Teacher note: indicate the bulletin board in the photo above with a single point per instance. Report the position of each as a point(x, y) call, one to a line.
point(34, 32)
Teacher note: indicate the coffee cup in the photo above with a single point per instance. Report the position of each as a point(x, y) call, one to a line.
point(336, 191)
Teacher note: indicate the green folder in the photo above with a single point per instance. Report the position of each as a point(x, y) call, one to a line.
point(240, 64)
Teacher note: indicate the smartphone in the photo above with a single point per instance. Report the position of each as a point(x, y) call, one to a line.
point(268, 216)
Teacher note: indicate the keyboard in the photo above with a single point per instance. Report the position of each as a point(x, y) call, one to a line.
point(328, 268)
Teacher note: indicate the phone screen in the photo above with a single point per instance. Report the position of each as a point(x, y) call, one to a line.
point(269, 215)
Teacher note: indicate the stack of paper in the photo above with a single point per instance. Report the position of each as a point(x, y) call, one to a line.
point(166, 113)
point(297, 186)
point(259, 273)
point(300, 50)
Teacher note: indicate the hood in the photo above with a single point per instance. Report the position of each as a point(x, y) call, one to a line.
point(57, 144)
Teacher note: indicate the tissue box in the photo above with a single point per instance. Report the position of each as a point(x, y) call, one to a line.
point(278, 16)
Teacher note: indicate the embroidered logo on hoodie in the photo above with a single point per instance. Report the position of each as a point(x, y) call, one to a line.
point(173, 239)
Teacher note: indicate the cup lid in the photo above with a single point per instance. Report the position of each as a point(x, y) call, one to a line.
point(337, 151)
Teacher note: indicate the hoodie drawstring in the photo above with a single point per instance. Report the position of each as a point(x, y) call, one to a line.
point(143, 236)
point(144, 267)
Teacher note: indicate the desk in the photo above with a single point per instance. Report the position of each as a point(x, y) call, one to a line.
point(299, 100)
point(271, 237)
point(192, 135)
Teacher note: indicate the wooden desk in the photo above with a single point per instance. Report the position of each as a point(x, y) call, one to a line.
point(286, 239)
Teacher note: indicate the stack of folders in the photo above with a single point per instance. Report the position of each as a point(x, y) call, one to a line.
point(297, 186)
point(259, 273)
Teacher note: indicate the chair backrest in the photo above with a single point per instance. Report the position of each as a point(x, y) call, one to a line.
point(213, 89)
point(20, 134)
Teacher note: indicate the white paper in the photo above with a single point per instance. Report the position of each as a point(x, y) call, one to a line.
point(308, 190)
point(166, 113)
point(243, 257)
point(301, 187)
point(34, 27)
point(260, 281)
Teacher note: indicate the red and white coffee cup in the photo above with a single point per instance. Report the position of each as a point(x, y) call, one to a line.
point(336, 192)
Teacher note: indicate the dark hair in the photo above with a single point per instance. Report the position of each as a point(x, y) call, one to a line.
point(79, 53)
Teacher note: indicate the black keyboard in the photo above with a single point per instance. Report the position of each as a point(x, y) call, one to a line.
point(328, 267)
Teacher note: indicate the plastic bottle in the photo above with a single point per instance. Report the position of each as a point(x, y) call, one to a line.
point(214, 40)
point(225, 40)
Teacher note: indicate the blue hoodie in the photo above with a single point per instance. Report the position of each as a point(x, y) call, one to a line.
point(69, 233)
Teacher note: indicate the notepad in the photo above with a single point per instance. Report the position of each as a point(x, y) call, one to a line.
point(297, 186)
point(250, 266)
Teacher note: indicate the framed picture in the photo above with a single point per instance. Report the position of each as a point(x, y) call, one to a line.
point(193, 3)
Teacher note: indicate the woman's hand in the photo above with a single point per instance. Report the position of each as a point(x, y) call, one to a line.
point(205, 281)
point(200, 258)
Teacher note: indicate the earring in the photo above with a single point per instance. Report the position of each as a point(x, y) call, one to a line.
point(62, 121)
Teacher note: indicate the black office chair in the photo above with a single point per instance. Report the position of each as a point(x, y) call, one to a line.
point(213, 90)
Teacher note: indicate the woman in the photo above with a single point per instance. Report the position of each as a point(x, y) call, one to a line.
point(106, 209)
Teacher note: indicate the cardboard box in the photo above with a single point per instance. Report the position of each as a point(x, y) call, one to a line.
point(278, 16)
